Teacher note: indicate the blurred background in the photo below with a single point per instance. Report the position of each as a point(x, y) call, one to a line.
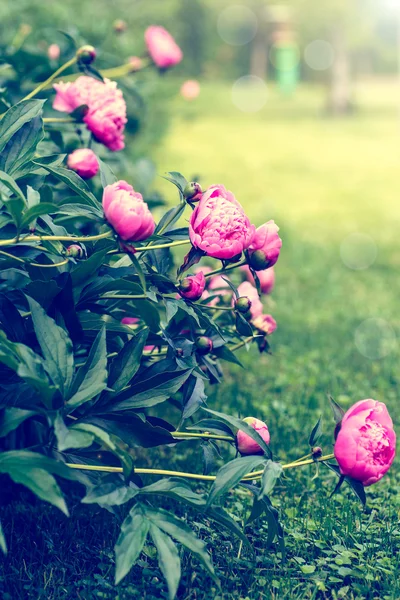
point(299, 115)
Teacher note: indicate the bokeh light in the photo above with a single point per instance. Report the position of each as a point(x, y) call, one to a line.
point(375, 338)
point(237, 25)
point(358, 251)
point(249, 93)
point(319, 55)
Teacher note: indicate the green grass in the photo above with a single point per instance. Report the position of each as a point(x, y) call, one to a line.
point(321, 180)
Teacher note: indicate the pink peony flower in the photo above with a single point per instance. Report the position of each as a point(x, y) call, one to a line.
point(53, 52)
point(129, 321)
point(266, 277)
point(162, 47)
point(265, 323)
point(84, 162)
point(265, 247)
point(218, 225)
point(245, 444)
point(106, 114)
point(249, 291)
point(127, 213)
point(366, 443)
point(192, 287)
point(190, 89)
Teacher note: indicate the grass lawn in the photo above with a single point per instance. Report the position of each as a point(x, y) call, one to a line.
point(322, 181)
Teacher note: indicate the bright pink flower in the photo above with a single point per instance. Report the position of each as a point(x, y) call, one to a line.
point(106, 114)
point(162, 47)
point(53, 52)
point(127, 213)
point(265, 247)
point(218, 225)
point(366, 443)
point(192, 287)
point(245, 444)
point(265, 323)
point(266, 277)
point(129, 321)
point(250, 292)
point(84, 162)
point(190, 89)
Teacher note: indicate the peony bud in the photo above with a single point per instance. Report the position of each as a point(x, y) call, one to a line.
point(317, 452)
point(250, 292)
point(120, 26)
point(86, 54)
point(162, 47)
point(246, 444)
point(84, 162)
point(204, 345)
point(192, 191)
point(192, 287)
point(265, 324)
point(243, 305)
point(74, 251)
point(265, 247)
point(127, 213)
point(136, 63)
point(365, 446)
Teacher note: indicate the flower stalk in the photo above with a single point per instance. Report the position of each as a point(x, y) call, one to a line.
point(50, 79)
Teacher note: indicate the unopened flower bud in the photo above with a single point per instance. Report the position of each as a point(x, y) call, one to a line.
point(246, 444)
point(74, 251)
point(317, 452)
point(243, 305)
point(258, 260)
point(86, 54)
point(193, 191)
point(120, 26)
point(204, 345)
point(192, 287)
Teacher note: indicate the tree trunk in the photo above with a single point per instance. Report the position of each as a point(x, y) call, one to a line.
point(339, 99)
point(259, 56)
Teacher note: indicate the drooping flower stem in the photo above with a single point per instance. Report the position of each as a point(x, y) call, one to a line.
point(161, 246)
point(50, 79)
point(54, 238)
point(167, 473)
point(58, 120)
point(242, 343)
point(224, 269)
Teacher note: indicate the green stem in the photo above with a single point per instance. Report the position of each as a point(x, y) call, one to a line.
point(58, 120)
point(207, 436)
point(206, 307)
point(248, 477)
point(242, 343)
point(224, 269)
point(50, 79)
point(54, 238)
point(124, 297)
point(17, 258)
point(161, 246)
point(114, 72)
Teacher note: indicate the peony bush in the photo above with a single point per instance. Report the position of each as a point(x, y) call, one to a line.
point(110, 334)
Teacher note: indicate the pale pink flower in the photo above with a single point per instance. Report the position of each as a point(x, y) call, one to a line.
point(162, 47)
point(266, 278)
point(53, 52)
point(190, 89)
point(265, 324)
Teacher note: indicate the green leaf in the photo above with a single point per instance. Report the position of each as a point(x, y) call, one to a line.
point(239, 424)
point(56, 347)
point(15, 206)
point(220, 516)
point(107, 176)
point(272, 472)
point(315, 433)
point(231, 473)
point(358, 489)
point(21, 148)
point(337, 410)
point(91, 379)
point(170, 218)
point(87, 269)
point(130, 542)
point(138, 268)
point(151, 391)
point(181, 532)
point(168, 559)
point(177, 179)
point(12, 418)
point(74, 182)
point(124, 366)
point(108, 494)
point(3, 544)
point(195, 397)
point(44, 208)
point(16, 117)
point(224, 353)
point(68, 438)
point(242, 326)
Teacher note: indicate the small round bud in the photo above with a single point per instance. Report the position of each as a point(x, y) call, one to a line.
point(193, 191)
point(204, 345)
point(317, 452)
point(120, 26)
point(185, 285)
point(74, 251)
point(258, 260)
point(243, 304)
point(86, 54)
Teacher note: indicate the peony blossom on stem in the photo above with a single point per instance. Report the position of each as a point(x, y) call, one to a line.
point(161, 46)
point(246, 444)
point(219, 226)
point(265, 247)
point(106, 108)
point(192, 287)
point(365, 446)
point(265, 324)
point(127, 213)
point(84, 162)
